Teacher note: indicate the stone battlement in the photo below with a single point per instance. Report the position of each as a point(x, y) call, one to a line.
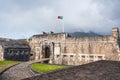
point(64, 49)
point(58, 46)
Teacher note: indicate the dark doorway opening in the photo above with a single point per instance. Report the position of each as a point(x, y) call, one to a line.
point(47, 52)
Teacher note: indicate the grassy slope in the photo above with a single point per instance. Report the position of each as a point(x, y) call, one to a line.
point(5, 64)
point(46, 67)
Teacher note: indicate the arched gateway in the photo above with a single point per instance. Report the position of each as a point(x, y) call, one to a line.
point(46, 50)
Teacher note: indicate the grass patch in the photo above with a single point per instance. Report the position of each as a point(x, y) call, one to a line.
point(46, 67)
point(5, 64)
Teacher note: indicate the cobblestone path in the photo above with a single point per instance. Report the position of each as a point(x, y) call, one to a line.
point(20, 71)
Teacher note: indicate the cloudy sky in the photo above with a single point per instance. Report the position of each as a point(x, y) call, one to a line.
point(24, 18)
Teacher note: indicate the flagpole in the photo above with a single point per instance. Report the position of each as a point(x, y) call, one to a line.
point(62, 25)
point(62, 22)
point(63, 30)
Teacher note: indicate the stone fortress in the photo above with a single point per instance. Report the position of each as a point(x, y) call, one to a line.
point(61, 48)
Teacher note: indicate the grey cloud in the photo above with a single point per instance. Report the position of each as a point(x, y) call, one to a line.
point(109, 8)
point(28, 17)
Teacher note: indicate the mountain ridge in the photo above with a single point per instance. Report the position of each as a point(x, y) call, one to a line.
point(83, 34)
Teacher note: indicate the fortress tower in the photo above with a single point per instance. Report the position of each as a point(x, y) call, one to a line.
point(115, 32)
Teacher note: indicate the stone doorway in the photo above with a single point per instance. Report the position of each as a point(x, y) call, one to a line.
point(46, 51)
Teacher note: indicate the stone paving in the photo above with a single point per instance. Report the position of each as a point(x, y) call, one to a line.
point(101, 70)
point(20, 71)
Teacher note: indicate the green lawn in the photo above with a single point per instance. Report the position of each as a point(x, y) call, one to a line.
point(46, 67)
point(5, 64)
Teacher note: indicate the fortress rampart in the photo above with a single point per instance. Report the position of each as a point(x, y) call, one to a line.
point(63, 49)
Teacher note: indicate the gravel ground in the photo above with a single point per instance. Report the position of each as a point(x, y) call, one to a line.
point(101, 70)
point(20, 71)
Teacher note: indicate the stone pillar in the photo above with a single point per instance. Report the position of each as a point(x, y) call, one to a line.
point(1, 56)
point(115, 32)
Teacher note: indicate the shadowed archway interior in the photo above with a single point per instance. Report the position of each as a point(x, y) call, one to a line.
point(47, 52)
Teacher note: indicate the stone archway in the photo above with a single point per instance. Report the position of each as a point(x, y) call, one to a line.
point(46, 52)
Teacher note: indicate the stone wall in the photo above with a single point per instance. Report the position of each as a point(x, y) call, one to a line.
point(119, 56)
point(38, 41)
point(17, 54)
point(14, 50)
point(83, 53)
point(1, 52)
point(76, 50)
point(77, 59)
point(101, 45)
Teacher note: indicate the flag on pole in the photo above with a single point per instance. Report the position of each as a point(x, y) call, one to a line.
point(60, 17)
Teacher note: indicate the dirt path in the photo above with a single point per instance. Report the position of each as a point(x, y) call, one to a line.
point(20, 71)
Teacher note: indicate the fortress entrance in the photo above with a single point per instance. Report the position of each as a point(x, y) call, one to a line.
point(47, 52)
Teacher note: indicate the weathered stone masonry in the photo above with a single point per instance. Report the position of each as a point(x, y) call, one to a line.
point(63, 49)
point(14, 50)
point(1, 53)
